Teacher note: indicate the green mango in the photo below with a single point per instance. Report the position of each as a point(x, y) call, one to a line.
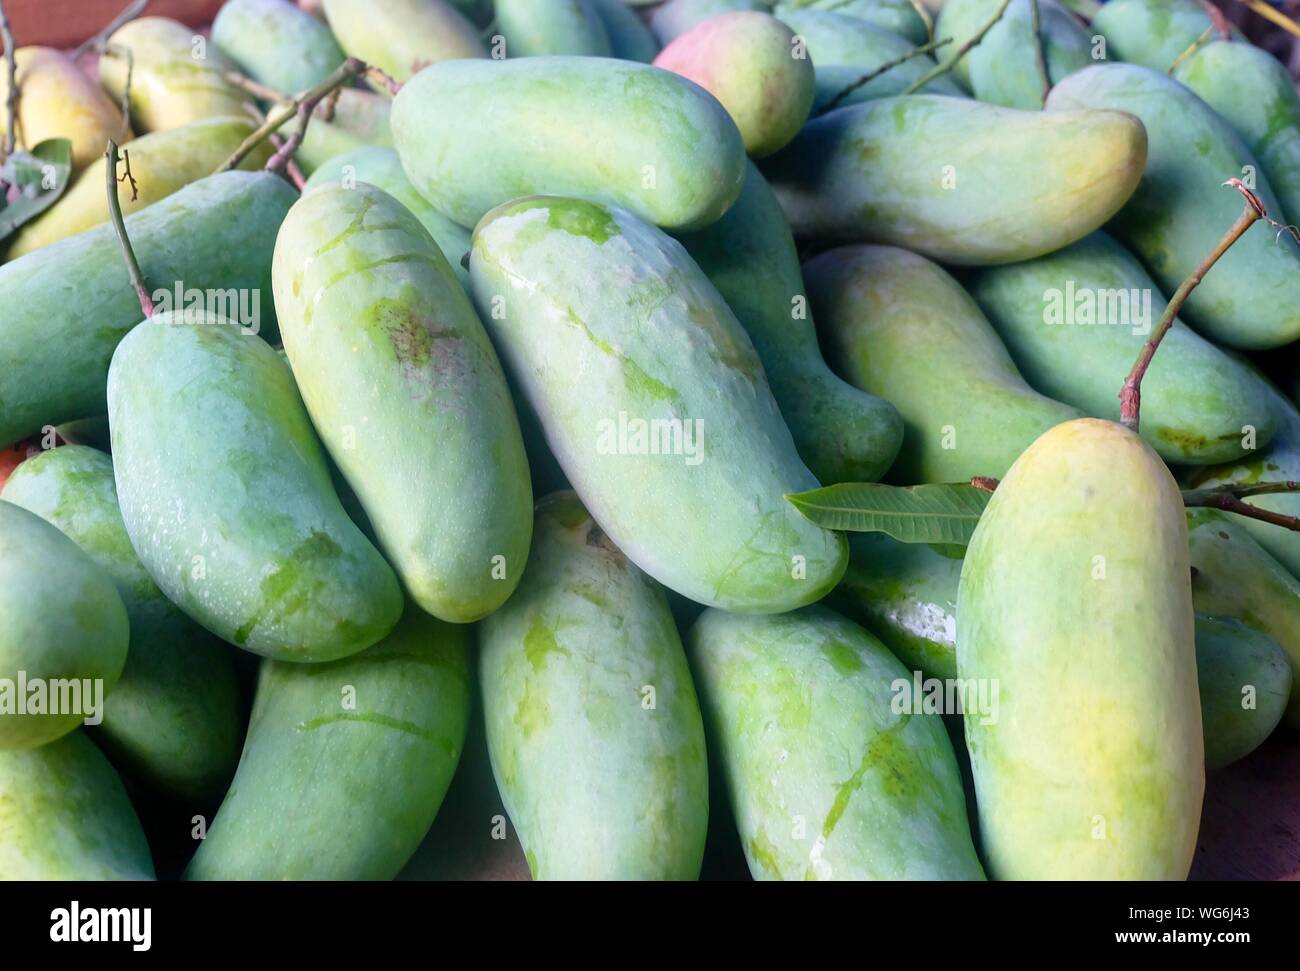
point(1180, 211)
point(402, 37)
point(1255, 94)
point(68, 305)
point(672, 425)
point(898, 326)
point(896, 16)
point(1234, 576)
point(175, 79)
point(593, 726)
point(65, 632)
point(670, 20)
point(227, 498)
point(830, 778)
point(957, 180)
point(162, 163)
point(383, 169)
point(842, 434)
point(360, 120)
point(64, 815)
point(174, 719)
point(346, 763)
point(407, 395)
point(751, 63)
point(1003, 67)
point(276, 43)
point(1152, 33)
point(476, 134)
point(1075, 600)
point(1075, 321)
point(533, 28)
point(1244, 681)
point(629, 38)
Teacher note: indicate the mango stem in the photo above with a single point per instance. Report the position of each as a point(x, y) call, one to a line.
point(887, 66)
point(100, 39)
point(1228, 499)
point(119, 225)
point(951, 61)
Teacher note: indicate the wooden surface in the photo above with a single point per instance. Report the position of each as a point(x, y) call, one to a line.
point(66, 23)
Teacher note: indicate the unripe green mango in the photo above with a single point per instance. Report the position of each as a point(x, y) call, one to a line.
point(56, 100)
point(828, 779)
point(476, 134)
point(227, 498)
point(1152, 32)
point(402, 37)
point(533, 28)
point(629, 38)
point(175, 78)
point(750, 63)
point(277, 43)
point(1180, 210)
point(1244, 681)
point(174, 719)
point(673, 18)
point(383, 169)
point(64, 815)
point(896, 16)
point(1075, 321)
point(1075, 599)
point(407, 395)
point(66, 306)
point(898, 326)
point(593, 725)
point(162, 163)
point(65, 632)
point(1002, 68)
point(956, 180)
point(360, 120)
point(346, 763)
point(1255, 94)
point(569, 287)
point(842, 433)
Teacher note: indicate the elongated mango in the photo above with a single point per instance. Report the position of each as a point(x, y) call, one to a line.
point(276, 42)
point(629, 38)
point(1075, 600)
point(227, 498)
point(407, 395)
point(673, 18)
point(476, 134)
point(1180, 210)
point(64, 308)
point(1152, 33)
point(346, 763)
point(898, 326)
point(65, 632)
point(673, 411)
point(897, 16)
point(829, 777)
point(956, 180)
point(842, 433)
point(593, 726)
point(64, 815)
point(1075, 321)
point(1245, 682)
point(359, 120)
point(174, 719)
point(402, 37)
point(548, 27)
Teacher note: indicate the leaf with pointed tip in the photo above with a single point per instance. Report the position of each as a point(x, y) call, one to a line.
point(937, 514)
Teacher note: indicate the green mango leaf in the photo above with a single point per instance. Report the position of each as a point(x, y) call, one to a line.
point(32, 181)
point(942, 515)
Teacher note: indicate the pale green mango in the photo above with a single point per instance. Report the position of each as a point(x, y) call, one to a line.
point(672, 425)
point(402, 37)
point(629, 38)
point(1256, 95)
point(476, 134)
point(174, 719)
point(66, 306)
point(346, 763)
point(593, 726)
point(533, 28)
point(64, 815)
point(1075, 600)
point(958, 180)
point(407, 395)
point(1075, 322)
point(842, 433)
point(896, 325)
point(828, 779)
point(1181, 210)
point(175, 77)
point(673, 18)
point(1152, 32)
point(383, 169)
point(1245, 682)
point(65, 632)
point(897, 16)
point(227, 499)
point(277, 43)
point(360, 120)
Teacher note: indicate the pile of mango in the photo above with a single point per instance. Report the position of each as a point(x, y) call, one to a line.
point(494, 415)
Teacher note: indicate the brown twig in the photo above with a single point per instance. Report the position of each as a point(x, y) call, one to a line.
point(11, 103)
point(117, 50)
point(1130, 396)
point(383, 77)
point(290, 167)
point(1229, 503)
point(258, 90)
point(887, 66)
point(984, 483)
point(1040, 58)
point(119, 224)
point(1214, 495)
point(127, 176)
point(100, 39)
point(1192, 48)
point(951, 61)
